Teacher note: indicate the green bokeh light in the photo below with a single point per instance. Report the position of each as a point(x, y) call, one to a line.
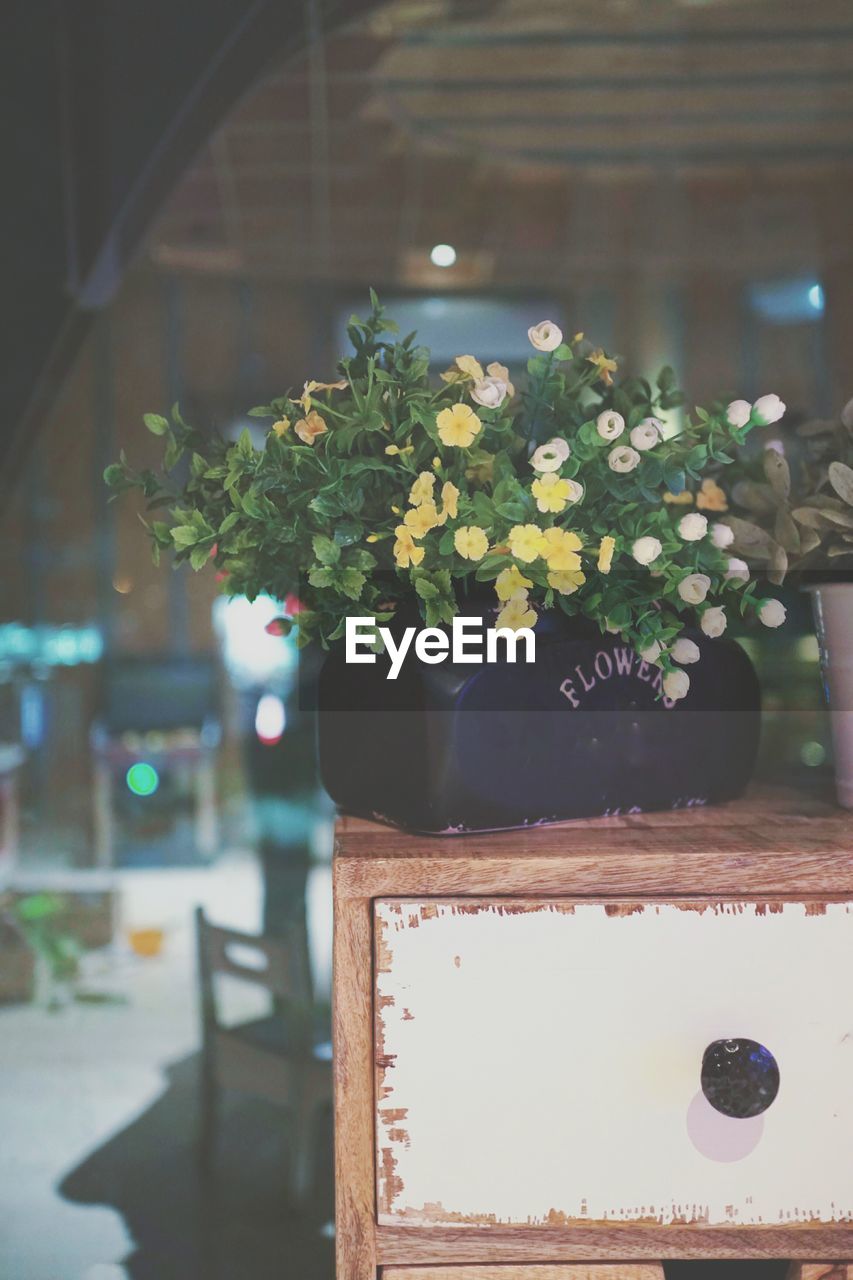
point(812, 754)
point(142, 779)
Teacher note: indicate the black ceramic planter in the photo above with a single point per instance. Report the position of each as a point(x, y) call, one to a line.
point(451, 749)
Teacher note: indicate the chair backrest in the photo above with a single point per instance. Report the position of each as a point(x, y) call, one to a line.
point(279, 965)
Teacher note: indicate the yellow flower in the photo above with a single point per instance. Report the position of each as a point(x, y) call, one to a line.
point(392, 449)
point(577, 338)
point(463, 367)
point(421, 519)
point(500, 371)
point(470, 367)
point(471, 542)
point(566, 581)
point(458, 425)
point(372, 537)
point(406, 550)
point(449, 499)
point(280, 427)
point(526, 542)
point(510, 581)
point(551, 493)
point(683, 499)
point(310, 427)
point(436, 463)
point(311, 385)
point(561, 549)
point(516, 613)
point(711, 497)
point(421, 490)
point(605, 553)
point(605, 366)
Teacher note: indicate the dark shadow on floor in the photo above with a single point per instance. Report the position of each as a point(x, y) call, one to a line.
point(240, 1225)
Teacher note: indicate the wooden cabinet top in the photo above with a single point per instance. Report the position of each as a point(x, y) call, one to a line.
point(771, 841)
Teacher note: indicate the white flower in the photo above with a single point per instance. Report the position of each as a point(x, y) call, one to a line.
point(676, 684)
point(722, 535)
point(550, 456)
point(646, 434)
point(693, 527)
point(713, 621)
point(545, 336)
point(645, 550)
point(685, 651)
point(738, 570)
point(501, 372)
point(623, 459)
point(738, 413)
point(772, 613)
point(489, 392)
point(651, 653)
point(768, 409)
point(694, 587)
point(610, 425)
point(575, 490)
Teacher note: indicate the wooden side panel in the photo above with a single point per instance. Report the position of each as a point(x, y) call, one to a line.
point(538, 1063)
point(355, 1204)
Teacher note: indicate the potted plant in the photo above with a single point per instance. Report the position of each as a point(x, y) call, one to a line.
point(383, 491)
point(799, 516)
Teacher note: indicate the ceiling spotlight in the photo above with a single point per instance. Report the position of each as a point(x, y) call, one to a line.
point(442, 255)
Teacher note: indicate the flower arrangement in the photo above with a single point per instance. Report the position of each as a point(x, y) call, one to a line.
point(798, 515)
point(381, 485)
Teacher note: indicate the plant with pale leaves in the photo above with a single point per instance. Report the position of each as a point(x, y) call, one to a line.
point(795, 502)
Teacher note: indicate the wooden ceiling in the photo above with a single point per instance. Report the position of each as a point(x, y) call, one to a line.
point(575, 136)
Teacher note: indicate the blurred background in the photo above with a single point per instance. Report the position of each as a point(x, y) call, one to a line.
point(198, 196)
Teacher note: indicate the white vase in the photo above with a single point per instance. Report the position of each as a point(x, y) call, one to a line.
point(833, 613)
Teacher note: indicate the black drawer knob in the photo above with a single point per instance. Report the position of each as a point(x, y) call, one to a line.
point(740, 1078)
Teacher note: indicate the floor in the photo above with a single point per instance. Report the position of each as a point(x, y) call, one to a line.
point(97, 1113)
point(98, 1105)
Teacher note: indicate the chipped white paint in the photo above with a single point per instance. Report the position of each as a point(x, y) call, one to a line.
point(541, 1063)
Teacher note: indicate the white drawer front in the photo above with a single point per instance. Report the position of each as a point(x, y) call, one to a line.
point(539, 1063)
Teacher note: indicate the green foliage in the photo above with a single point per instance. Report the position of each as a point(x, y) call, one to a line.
point(324, 506)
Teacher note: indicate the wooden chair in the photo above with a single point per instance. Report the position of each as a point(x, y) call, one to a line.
point(285, 1058)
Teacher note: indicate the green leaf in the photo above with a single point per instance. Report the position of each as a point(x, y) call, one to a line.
point(320, 578)
point(229, 522)
point(173, 452)
point(352, 583)
point(326, 549)
point(199, 557)
point(184, 535)
point(114, 474)
point(360, 559)
point(156, 423)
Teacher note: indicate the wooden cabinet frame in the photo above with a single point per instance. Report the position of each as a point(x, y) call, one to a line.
point(773, 845)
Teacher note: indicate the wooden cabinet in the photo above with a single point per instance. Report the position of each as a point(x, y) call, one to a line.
point(522, 1021)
